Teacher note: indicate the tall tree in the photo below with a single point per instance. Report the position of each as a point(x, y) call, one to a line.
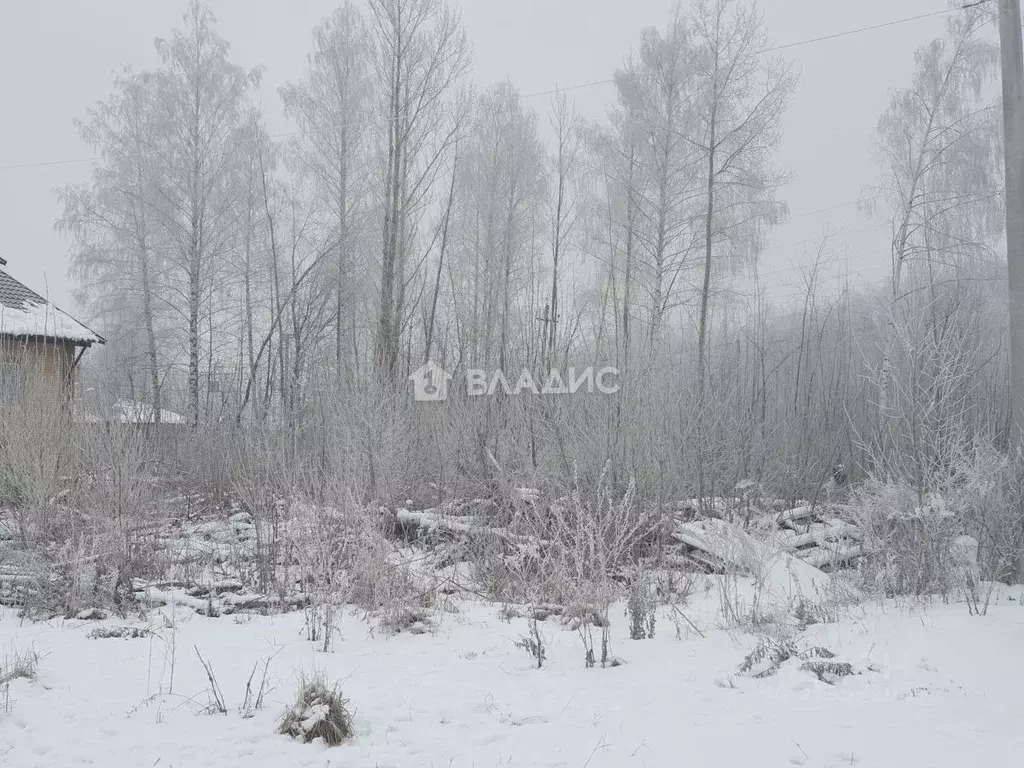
point(938, 143)
point(655, 93)
point(420, 55)
point(200, 101)
point(332, 106)
point(118, 251)
point(566, 211)
point(500, 184)
point(741, 99)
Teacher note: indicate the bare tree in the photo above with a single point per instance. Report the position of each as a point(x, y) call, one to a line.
point(500, 186)
point(332, 105)
point(938, 144)
point(566, 210)
point(118, 250)
point(655, 93)
point(200, 100)
point(420, 54)
point(742, 99)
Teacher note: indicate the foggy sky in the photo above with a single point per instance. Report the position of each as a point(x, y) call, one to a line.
point(57, 59)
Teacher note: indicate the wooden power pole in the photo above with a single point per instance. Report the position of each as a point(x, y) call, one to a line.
point(1013, 125)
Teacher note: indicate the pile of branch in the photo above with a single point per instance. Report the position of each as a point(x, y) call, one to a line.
point(215, 599)
point(17, 586)
point(727, 548)
point(816, 538)
point(805, 532)
point(456, 527)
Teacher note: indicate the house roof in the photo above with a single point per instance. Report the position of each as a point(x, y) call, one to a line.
point(24, 313)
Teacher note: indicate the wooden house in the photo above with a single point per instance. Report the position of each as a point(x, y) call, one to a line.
point(40, 346)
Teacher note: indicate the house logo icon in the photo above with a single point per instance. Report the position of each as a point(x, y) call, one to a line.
point(430, 383)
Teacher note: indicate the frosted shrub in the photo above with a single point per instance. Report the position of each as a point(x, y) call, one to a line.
point(319, 712)
point(593, 537)
point(910, 540)
point(641, 604)
point(321, 540)
point(969, 530)
point(380, 582)
point(35, 457)
point(343, 557)
point(989, 491)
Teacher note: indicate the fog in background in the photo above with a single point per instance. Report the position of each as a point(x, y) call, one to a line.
point(57, 59)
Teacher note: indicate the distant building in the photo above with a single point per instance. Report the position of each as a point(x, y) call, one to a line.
point(40, 346)
point(131, 412)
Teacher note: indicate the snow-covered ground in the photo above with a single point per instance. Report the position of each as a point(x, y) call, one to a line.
point(936, 688)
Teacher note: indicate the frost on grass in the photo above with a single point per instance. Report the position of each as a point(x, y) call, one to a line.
point(770, 654)
point(127, 633)
point(412, 619)
point(767, 657)
point(319, 712)
point(828, 671)
point(19, 665)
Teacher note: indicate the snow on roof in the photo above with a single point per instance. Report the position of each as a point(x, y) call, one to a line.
point(23, 312)
point(131, 412)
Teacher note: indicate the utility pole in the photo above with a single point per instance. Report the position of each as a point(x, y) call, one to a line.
point(1013, 126)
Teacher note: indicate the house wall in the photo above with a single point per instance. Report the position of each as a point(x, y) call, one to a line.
point(45, 366)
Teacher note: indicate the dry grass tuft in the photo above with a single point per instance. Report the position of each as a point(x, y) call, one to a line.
point(319, 712)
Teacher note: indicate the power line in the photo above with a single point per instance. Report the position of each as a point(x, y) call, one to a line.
point(873, 27)
point(566, 89)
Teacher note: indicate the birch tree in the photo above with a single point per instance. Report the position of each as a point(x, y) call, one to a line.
point(118, 251)
point(938, 143)
point(740, 101)
point(200, 100)
point(566, 211)
point(251, 261)
point(420, 54)
point(500, 186)
point(332, 106)
point(655, 91)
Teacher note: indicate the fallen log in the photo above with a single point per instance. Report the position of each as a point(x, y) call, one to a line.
point(463, 525)
point(820, 557)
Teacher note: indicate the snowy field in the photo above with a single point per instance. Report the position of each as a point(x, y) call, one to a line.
point(935, 687)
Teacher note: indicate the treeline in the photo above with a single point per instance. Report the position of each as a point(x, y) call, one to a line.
point(295, 284)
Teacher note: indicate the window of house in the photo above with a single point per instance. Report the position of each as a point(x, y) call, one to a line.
point(12, 384)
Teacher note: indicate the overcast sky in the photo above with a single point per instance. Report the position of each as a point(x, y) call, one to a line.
point(57, 58)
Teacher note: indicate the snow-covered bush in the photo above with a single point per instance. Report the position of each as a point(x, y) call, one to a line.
point(261, 482)
point(968, 530)
point(987, 490)
point(321, 539)
point(592, 537)
point(641, 603)
point(35, 457)
point(19, 665)
point(319, 712)
point(115, 493)
point(343, 557)
point(909, 540)
point(84, 503)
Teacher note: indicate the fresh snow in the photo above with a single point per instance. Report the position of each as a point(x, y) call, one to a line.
point(125, 412)
point(132, 412)
point(782, 574)
point(936, 687)
point(43, 319)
